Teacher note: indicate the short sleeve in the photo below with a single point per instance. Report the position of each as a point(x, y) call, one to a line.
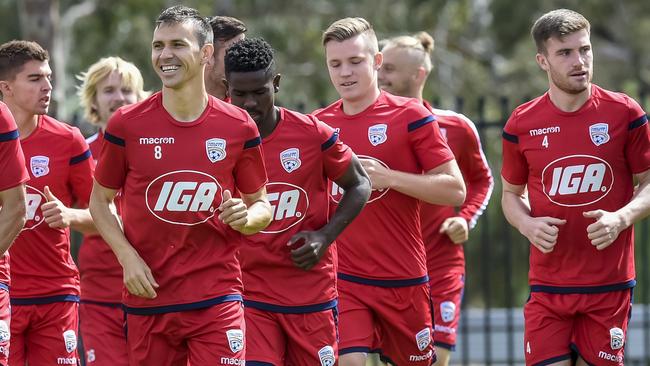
point(250, 172)
point(112, 165)
point(81, 169)
point(429, 147)
point(12, 160)
point(637, 147)
point(336, 155)
point(514, 167)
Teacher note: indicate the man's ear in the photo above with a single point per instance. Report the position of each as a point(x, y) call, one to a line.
point(378, 59)
point(542, 61)
point(276, 82)
point(5, 88)
point(207, 51)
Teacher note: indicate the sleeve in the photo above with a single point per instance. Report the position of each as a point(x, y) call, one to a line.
point(637, 147)
point(336, 155)
point(249, 171)
point(476, 172)
point(12, 160)
point(112, 165)
point(428, 145)
point(81, 169)
point(514, 167)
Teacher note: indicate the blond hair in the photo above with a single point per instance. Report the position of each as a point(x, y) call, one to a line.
point(419, 46)
point(347, 28)
point(87, 92)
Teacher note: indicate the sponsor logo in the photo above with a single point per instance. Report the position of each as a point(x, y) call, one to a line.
point(336, 191)
point(599, 133)
point(289, 204)
point(447, 311)
point(610, 357)
point(377, 134)
point(66, 361)
point(156, 140)
point(232, 361)
point(616, 338)
point(5, 335)
point(216, 149)
point(235, 340)
point(577, 180)
point(40, 165)
point(290, 159)
point(444, 329)
point(326, 356)
point(70, 339)
point(90, 356)
point(423, 339)
point(183, 197)
point(424, 357)
point(33, 201)
point(544, 131)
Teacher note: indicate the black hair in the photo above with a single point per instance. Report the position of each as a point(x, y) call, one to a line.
point(226, 28)
point(180, 14)
point(15, 54)
point(250, 54)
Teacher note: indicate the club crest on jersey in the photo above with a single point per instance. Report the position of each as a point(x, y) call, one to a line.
point(5, 335)
point(290, 159)
point(616, 338)
point(40, 165)
point(598, 133)
point(235, 340)
point(377, 134)
point(216, 149)
point(447, 311)
point(70, 339)
point(423, 338)
point(326, 356)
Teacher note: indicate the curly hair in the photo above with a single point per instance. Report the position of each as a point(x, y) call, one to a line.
point(251, 54)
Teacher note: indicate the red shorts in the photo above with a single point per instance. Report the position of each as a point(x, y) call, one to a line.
point(103, 329)
point(5, 331)
point(210, 336)
point(593, 325)
point(446, 296)
point(44, 334)
point(291, 339)
point(394, 321)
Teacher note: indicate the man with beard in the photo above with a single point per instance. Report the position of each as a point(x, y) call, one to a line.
point(576, 151)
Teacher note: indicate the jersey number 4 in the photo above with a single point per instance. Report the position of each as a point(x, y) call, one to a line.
point(545, 141)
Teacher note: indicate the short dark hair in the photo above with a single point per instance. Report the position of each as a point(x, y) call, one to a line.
point(181, 14)
point(248, 55)
point(557, 24)
point(15, 54)
point(226, 28)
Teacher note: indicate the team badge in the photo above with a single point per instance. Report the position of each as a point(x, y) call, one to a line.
point(447, 311)
point(40, 165)
point(5, 335)
point(377, 134)
point(290, 159)
point(70, 339)
point(235, 340)
point(598, 133)
point(216, 149)
point(616, 338)
point(423, 338)
point(326, 356)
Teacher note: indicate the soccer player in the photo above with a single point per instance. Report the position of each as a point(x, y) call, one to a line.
point(181, 157)
point(108, 84)
point(226, 31)
point(44, 279)
point(12, 213)
point(384, 299)
point(576, 151)
point(404, 72)
point(287, 291)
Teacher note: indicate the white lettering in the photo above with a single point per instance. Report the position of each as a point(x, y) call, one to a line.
point(33, 202)
point(66, 361)
point(336, 190)
point(610, 357)
point(444, 329)
point(415, 358)
point(287, 204)
point(569, 180)
point(156, 140)
point(182, 196)
point(232, 361)
point(544, 131)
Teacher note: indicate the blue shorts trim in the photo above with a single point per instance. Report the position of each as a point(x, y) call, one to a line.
point(258, 363)
point(553, 360)
point(43, 300)
point(345, 351)
point(384, 283)
point(583, 289)
point(574, 348)
point(451, 347)
point(182, 307)
point(291, 309)
point(102, 303)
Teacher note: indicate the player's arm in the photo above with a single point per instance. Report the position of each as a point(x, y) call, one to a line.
point(138, 278)
point(357, 187)
point(609, 225)
point(442, 185)
point(248, 214)
point(542, 232)
point(12, 215)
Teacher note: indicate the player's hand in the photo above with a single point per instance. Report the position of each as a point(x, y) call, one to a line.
point(55, 213)
point(308, 247)
point(605, 230)
point(456, 228)
point(138, 278)
point(379, 174)
point(233, 211)
point(542, 232)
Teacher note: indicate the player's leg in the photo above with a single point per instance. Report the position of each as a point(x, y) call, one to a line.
point(446, 297)
point(548, 328)
point(312, 338)
point(266, 342)
point(20, 319)
point(5, 331)
point(155, 340)
point(356, 324)
point(216, 335)
point(102, 328)
point(52, 335)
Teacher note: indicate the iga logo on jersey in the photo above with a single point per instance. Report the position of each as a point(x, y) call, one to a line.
point(577, 180)
point(216, 149)
point(33, 200)
point(377, 134)
point(289, 204)
point(290, 159)
point(183, 197)
point(40, 165)
point(336, 192)
point(598, 133)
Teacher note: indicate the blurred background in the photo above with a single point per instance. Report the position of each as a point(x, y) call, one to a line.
point(484, 66)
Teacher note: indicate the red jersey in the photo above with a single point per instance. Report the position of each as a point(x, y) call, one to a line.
point(300, 155)
point(574, 162)
point(56, 156)
point(12, 166)
point(172, 176)
point(383, 245)
point(101, 273)
point(443, 255)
